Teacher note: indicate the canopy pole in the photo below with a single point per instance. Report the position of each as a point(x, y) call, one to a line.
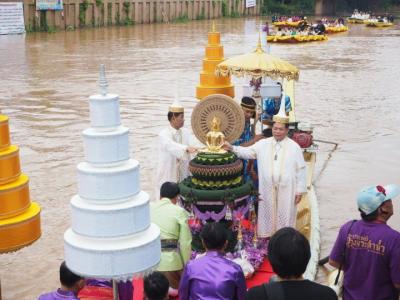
point(115, 289)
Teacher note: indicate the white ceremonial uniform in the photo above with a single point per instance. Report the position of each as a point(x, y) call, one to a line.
point(282, 175)
point(173, 159)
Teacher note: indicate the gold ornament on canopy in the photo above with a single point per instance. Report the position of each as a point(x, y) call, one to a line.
point(217, 114)
point(258, 64)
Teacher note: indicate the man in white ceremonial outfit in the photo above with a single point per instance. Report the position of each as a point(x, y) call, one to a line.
point(281, 173)
point(174, 148)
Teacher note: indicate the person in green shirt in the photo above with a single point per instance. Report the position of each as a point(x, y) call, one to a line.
point(176, 237)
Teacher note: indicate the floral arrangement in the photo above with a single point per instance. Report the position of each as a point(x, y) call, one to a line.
point(256, 83)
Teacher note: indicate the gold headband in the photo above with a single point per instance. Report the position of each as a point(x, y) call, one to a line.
point(248, 106)
point(280, 119)
point(176, 109)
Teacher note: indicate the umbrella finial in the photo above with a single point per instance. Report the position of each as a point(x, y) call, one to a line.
point(103, 81)
point(213, 27)
point(259, 47)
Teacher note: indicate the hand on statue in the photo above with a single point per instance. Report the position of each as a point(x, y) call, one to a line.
point(191, 150)
point(226, 146)
point(297, 199)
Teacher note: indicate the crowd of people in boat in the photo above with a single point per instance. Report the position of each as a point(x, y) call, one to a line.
point(333, 23)
point(382, 19)
point(369, 16)
point(276, 18)
point(305, 31)
point(366, 249)
point(360, 15)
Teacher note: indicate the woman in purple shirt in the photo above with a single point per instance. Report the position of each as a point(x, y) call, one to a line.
point(212, 276)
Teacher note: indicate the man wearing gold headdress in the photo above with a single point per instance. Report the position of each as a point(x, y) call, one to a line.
point(174, 148)
point(281, 173)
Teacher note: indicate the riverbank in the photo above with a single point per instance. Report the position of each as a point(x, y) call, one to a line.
point(98, 13)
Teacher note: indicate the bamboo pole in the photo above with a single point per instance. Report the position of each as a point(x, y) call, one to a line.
point(115, 289)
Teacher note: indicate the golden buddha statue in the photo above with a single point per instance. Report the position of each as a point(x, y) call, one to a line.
point(215, 138)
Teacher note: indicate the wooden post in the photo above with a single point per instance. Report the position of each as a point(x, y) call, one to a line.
point(115, 289)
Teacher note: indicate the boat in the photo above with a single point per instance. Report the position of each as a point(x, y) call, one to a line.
point(271, 68)
point(355, 20)
point(358, 17)
point(289, 23)
point(379, 24)
point(296, 38)
point(336, 29)
point(211, 202)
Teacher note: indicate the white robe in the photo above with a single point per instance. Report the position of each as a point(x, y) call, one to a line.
point(173, 159)
point(279, 181)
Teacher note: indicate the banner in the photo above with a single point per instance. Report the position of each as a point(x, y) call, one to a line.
point(11, 18)
point(49, 5)
point(250, 3)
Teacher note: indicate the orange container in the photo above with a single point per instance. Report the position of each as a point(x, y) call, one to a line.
point(4, 132)
point(20, 231)
point(9, 164)
point(14, 197)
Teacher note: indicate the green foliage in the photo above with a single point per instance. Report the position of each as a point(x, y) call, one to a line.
point(29, 28)
point(287, 7)
point(109, 13)
point(224, 8)
point(51, 29)
point(70, 28)
point(350, 5)
point(117, 18)
point(99, 2)
point(82, 12)
point(127, 20)
point(181, 19)
point(202, 15)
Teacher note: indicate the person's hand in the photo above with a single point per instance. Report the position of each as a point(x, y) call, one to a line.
point(191, 150)
point(297, 199)
point(226, 146)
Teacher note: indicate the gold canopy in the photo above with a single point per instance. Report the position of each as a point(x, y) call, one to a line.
point(258, 64)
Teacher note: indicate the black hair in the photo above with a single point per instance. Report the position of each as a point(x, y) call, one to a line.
point(267, 132)
point(156, 286)
point(67, 277)
point(289, 252)
point(249, 101)
point(169, 190)
point(214, 236)
point(371, 216)
point(173, 114)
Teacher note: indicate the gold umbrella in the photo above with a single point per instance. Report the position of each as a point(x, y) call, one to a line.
point(258, 64)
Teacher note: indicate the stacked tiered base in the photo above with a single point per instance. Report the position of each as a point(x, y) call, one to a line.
point(210, 83)
point(216, 193)
point(111, 236)
point(19, 217)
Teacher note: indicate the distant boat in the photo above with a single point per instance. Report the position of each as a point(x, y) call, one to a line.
point(296, 38)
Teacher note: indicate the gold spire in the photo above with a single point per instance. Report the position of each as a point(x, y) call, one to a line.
point(213, 27)
point(259, 48)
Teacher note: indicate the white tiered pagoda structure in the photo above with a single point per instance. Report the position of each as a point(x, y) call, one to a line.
point(111, 236)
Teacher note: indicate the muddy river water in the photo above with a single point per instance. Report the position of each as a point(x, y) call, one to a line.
point(349, 89)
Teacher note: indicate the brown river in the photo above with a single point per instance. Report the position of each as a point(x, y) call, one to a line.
point(349, 89)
